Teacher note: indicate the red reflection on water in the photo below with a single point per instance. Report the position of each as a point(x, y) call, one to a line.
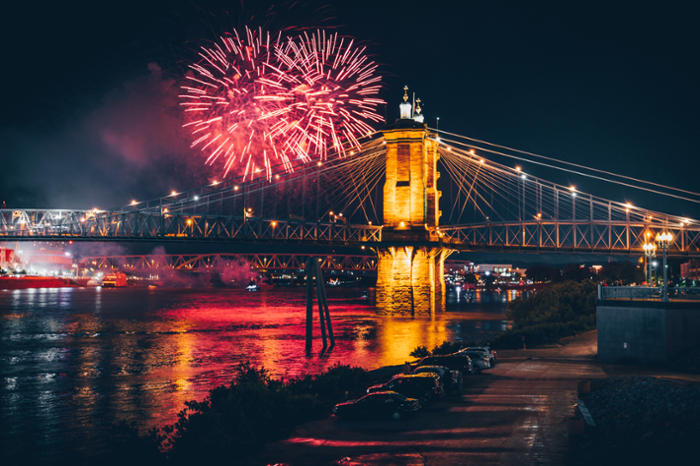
point(139, 354)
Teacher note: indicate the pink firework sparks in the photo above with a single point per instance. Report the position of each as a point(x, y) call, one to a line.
point(329, 91)
point(259, 101)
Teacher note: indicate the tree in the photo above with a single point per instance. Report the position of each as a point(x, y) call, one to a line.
point(539, 273)
point(574, 272)
point(543, 273)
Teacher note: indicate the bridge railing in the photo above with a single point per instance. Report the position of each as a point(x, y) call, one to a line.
point(633, 293)
point(61, 225)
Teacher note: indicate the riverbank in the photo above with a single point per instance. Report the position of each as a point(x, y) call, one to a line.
point(515, 413)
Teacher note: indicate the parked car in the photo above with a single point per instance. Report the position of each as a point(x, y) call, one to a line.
point(451, 380)
point(479, 359)
point(492, 354)
point(453, 361)
point(379, 404)
point(425, 387)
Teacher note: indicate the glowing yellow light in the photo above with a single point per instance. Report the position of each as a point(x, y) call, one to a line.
point(340, 214)
point(402, 224)
point(572, 188)
point(370, 222)
point(235, 188)
point(471, 151)
point(274, 224)
point(173, 193)
point(482, 161)
point(165, 210)
point(133, 202)
point(189, 221)
point(277, 177)
point(363, 247)
point(628, 205)
point(319, 164)
point(215, 183)
point(517, 169)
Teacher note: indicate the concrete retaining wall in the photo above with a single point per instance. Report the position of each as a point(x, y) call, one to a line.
point(647, 332)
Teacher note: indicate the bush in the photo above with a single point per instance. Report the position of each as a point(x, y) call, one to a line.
point(445, 347)
point(559, 311)
point(420, 352)
point(236, 421)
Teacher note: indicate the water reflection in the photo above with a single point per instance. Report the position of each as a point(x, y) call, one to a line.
point(72, 360)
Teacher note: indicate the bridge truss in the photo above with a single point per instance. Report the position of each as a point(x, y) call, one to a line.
point(486, 206)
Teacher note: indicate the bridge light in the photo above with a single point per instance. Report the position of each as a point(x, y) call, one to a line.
point(165, 210)
point(402, 224)
point(235, 188)
point(517, 168)
point(572, 188)
point(277, 177)
point(523, 176)
point(215, 183)
point(189, 221)
point(173, 193)
point(340, 214)
point(319, 164)
point(196, 198)
point(133, 202)
point(363, 247)
point(370, 222)
point(481, 161)
point(274, 224)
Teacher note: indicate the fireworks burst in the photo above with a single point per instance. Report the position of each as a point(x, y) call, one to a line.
point(259, 101)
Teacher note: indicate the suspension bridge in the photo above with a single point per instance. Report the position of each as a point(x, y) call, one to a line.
point(385, 196)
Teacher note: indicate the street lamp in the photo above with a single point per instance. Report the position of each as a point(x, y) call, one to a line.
point(649, 252)
point(664, 240)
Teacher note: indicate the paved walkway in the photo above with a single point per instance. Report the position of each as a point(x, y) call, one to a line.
point(512, 414)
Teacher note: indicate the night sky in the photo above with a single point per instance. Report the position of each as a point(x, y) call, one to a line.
point(90, 120)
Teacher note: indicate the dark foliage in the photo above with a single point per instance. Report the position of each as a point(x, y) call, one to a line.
point(420, 352)
point(446, 347)
point(564, 309)
point(624, 273)
point(543, 273)
point(640, 421)
point(236, 421)
point(575, 273)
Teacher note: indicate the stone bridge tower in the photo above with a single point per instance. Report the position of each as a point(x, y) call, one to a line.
point(411, 257)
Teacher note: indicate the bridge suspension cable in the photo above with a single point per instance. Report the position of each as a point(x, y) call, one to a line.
point(473, 145)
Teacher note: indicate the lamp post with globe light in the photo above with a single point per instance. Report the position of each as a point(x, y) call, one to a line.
point(650, 253)
point(664, 240)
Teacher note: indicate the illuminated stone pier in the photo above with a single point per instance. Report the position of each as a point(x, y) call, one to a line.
point(412, 258)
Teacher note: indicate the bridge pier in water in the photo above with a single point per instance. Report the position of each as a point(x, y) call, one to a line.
point(411, 259)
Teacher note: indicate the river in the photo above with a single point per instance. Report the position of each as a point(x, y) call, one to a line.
point(74, 360)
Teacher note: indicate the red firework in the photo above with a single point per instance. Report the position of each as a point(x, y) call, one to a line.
point(256, 102)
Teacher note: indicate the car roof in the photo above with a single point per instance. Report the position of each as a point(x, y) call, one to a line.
point(433, 366)
point(413, 376)
point(386, 392)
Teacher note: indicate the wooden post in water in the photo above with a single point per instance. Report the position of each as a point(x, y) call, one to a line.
point(325, 302)
point(319, 298)
point(309, 304)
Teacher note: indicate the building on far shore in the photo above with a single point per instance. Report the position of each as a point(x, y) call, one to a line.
point(502, 270)
point(691, 270)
